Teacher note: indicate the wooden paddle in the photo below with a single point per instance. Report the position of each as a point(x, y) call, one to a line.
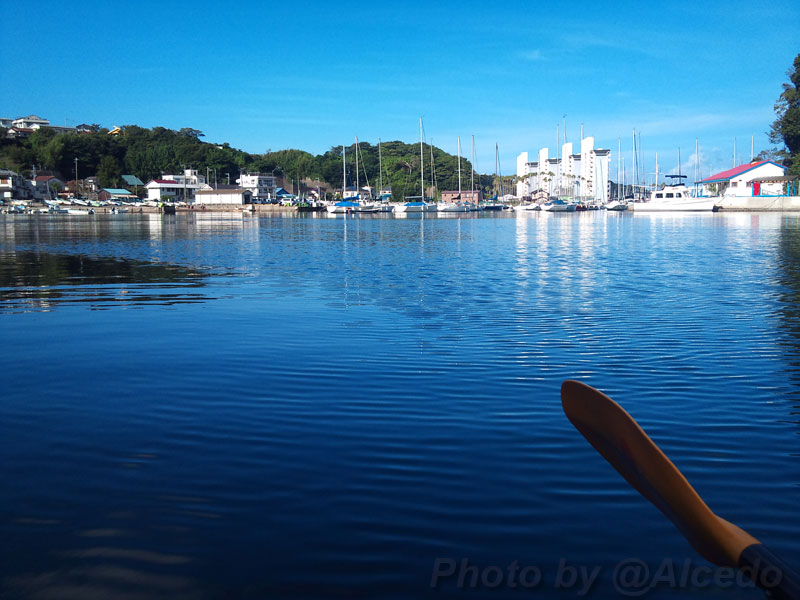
point(615, 435)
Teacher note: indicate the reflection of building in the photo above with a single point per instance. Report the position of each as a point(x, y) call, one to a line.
point(176, 187)
point(582, 175)
point(757, 178)
point(261, 186)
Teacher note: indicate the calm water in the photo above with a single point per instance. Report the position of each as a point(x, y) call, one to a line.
point(313, 407)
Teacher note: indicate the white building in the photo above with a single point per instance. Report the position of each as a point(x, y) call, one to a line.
point(226, 196)
point(177, 188)
point(758, 178)
point(582, 176)
point(261, 186)
point(14, 187)
point(30, 122)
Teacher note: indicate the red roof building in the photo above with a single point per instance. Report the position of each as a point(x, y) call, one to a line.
point(757, 178)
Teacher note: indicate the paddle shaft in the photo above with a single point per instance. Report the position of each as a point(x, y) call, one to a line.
point(770, 572)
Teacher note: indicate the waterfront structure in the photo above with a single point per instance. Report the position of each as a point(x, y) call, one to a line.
point(116, 195)
point(757, 178)
point(577, 175)
point(262, 186)
point(226, 196)
point(177, 187)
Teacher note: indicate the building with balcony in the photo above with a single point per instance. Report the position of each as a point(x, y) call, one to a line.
point(177, 188)
point(580, 175)
point(261, 186)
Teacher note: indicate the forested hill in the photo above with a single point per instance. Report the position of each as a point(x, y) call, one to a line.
point(149, 153)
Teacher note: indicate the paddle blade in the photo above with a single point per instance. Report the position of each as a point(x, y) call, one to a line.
point(620, 440)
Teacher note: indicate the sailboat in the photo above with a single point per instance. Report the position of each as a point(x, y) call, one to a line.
point(417, 204)
point(458, 206)
point(365, 205)
point(493, 204)
point(383, 197)
point(346, 205)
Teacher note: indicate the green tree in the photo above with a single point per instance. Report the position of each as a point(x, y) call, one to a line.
point(109, 172)
point(786, 128)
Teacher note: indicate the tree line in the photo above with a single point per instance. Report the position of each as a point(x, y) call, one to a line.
point(150, 153)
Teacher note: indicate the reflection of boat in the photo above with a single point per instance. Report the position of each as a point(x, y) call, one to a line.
point(559, 206)
point(675, 197)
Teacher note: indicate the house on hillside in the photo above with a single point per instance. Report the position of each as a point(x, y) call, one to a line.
point(757, 178)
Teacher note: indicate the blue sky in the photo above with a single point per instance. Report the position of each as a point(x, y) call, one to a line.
point(311, 75)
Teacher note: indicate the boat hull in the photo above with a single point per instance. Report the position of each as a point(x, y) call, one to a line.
point(678, 205)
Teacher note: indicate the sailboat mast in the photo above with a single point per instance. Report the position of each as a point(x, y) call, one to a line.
point(358, 187)
point(432, 169)
point(472, 170)
point(496, 165)
point(620, 194)
point(344, 171)
point(459, 167)
point(421, 164)
point(380, 170)
point(633, 166)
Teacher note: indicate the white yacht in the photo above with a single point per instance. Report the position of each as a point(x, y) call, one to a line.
point(675, 197)
point(559, 206)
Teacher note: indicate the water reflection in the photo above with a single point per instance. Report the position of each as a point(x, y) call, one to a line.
point(31, 280)
point(788, 269)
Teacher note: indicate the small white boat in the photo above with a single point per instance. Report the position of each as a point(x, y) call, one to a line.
point(414, 206)
point(617, 205)
point(530, 207)
point(343, 207)
point(452, 207)
point(559, 206)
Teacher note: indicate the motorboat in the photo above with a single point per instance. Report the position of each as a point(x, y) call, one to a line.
point(675, 197)
point(453, 207)
point(528, 207)
point(414, 206)
point(559, 206)
point(342, 207)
